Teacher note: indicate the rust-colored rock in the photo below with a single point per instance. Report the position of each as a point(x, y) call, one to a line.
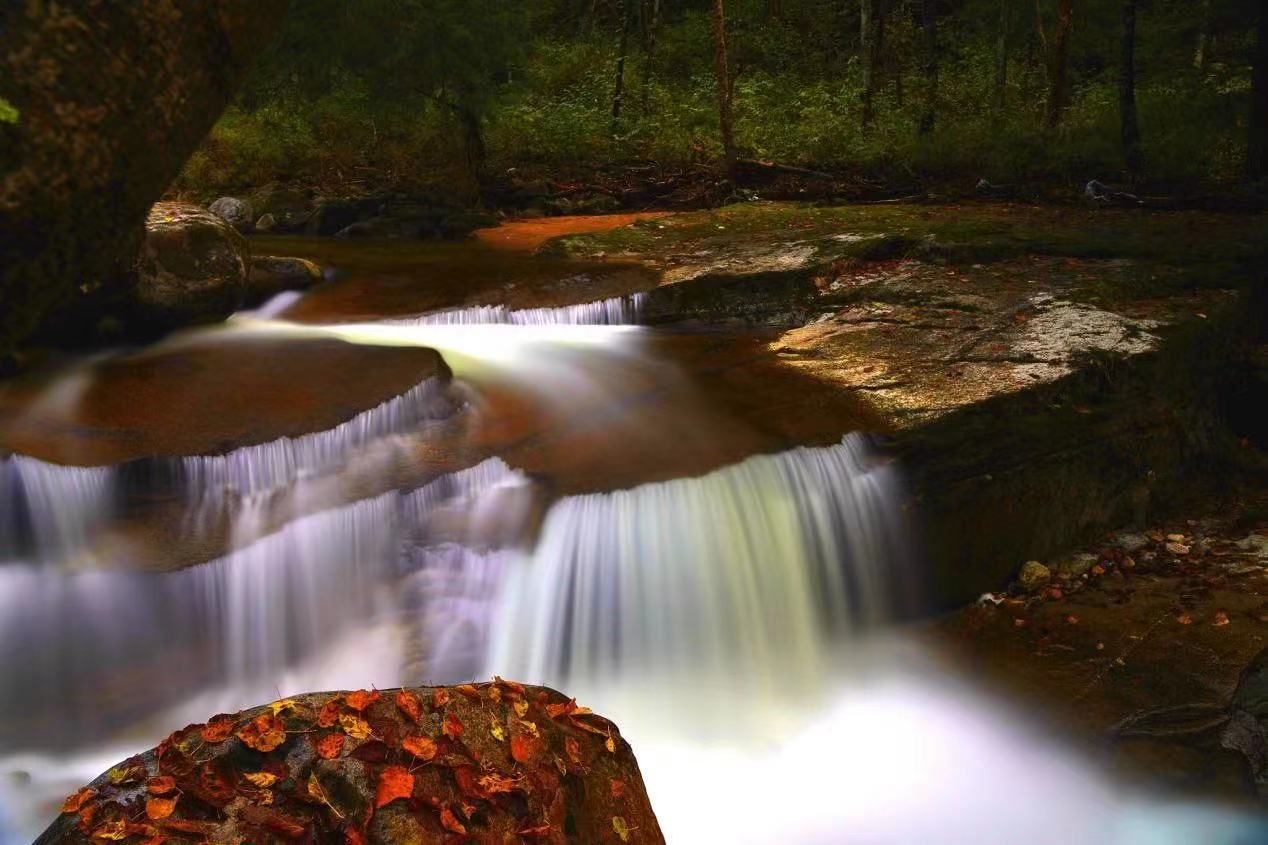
point(503, 763)
point(112, 98)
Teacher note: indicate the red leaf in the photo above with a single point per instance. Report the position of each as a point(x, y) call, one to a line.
point(361, 699)
point(420, 746)
point(525, 748)
point(329, 715)
point(410, 705)
point(161, 785)
point(330, 746)
point(74, 803)
point(394, 782)
point(450, 822)
point(218, 729)
point(453, 727)
point(263, 733)
point(440, 698)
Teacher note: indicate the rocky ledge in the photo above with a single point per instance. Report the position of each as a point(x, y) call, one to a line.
point(493, 762)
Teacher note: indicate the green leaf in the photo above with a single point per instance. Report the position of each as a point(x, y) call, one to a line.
point(8, 112)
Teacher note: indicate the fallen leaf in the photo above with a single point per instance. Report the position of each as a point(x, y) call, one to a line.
point(1221, 619)
point(420, 746)
point(161, 785)
point(573, 748)
point(556, 711)
point(1072, 620)
point(1177, 548)
point(159, 808)
point(1185, 619)
point(328, 717)
point(498, 732)
point(279, 707)
point(394, 782)
point(218, 729)
point(453, 727)
point(1098, 571)
point(352, 836)
point(525, 748)
point(521, 707)
point(450, 822)
point(621, 828)
point(610, 743)
point(440, 698)
point(262, 779)
point(74, 803)
point(495, 694)
point(494, 784)
point(263, 733)
point(511, 685)
point(316, 790)
point(115, 831)
point(361, 699)
point(410, 705)
point(617, 787)
point(330, 746)
point(534, 832)
point(469, 690)
point(354, 726)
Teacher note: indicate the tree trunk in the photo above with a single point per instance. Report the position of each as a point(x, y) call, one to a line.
point(1202, 55)
point(111, 100)
point(649, 59)
point(1127, 92)
point(929, 23)
point(1257, 159)
point(722, 70)
point(1058, 61)
point(871, 31)
point(618, 92)
point(1001, 57)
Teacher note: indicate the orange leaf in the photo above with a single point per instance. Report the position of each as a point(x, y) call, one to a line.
point(511, 685)
point(573, 748)
point(521, 707)
point(394, 782)
point(494, 783)
point(218, 729)
point(263, 733)
point(352, 836)
point(569, 707)
point(261, 779)
point(78, 800)
point(420, 746)
point(453, 727)
point(361, 699)
point(328, 717)
point(160, 808)
point(525, 748)
point(330, 746)
point(115, 830)
point(440, 698)
point(161, 785)
point(469, 691)
point(450, 822)
point(617, 787)
point(410, 705)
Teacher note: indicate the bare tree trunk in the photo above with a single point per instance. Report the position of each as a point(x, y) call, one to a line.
point(1202, 55)
point(929, 23)
point(649, 59)
point(618, 93)
point(871, 31)
point(1257, 158)
point(1001, 57)
point(722, 70)
point(1127, 92)
point(1058, 62)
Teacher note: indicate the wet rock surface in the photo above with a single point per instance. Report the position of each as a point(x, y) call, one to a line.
point(193, 269)
point(495, 762)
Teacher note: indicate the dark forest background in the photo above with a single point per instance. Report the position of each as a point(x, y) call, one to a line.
point(1165, 95)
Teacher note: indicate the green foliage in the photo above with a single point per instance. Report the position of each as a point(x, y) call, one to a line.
point(418, 91)
point(8, 112)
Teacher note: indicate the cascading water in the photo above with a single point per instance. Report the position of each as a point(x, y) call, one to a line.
point(49, 509)
point(620, 310)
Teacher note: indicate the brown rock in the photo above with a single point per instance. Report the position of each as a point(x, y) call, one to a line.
point(112, 98)
point(512, 764)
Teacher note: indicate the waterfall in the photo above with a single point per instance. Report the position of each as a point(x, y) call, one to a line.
point(256, 469)
point(617, 311)
point(746, 570)
point(52, 509)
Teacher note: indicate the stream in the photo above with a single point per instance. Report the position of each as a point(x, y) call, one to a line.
point(454, 461)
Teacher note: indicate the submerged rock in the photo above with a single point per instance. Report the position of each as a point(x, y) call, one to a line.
point(272, 274)
point(496, 762)
point(193, 269)
point(236, 212)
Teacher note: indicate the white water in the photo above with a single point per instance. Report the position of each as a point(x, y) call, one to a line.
point(620, 310)
point(61, 507)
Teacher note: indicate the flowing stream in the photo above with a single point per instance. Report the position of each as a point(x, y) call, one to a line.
point(734, 622)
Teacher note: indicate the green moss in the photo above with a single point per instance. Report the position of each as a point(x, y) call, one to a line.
point(8, 112)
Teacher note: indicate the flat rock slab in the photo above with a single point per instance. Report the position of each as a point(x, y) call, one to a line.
point(494, 762)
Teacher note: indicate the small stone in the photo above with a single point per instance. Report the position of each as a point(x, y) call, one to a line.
point(1177, 548)
point(266, 223)
point(1034, 576)
point(1079, 564)
point(1130, 542)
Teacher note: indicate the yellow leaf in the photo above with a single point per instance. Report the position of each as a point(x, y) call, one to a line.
point(521, 707)
point(261, 779)
point(354, 726)
point(283, 705)
point(621, 828)
point(499, 733)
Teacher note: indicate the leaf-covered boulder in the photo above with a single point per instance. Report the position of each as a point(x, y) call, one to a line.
point(496, 762)
point(193, 269)
point(105, 102)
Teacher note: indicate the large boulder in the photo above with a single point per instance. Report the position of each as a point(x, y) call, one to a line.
point(272, 274)
point(111, 99)
point(193, 269)
point(497, 763)
point(238, 213)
